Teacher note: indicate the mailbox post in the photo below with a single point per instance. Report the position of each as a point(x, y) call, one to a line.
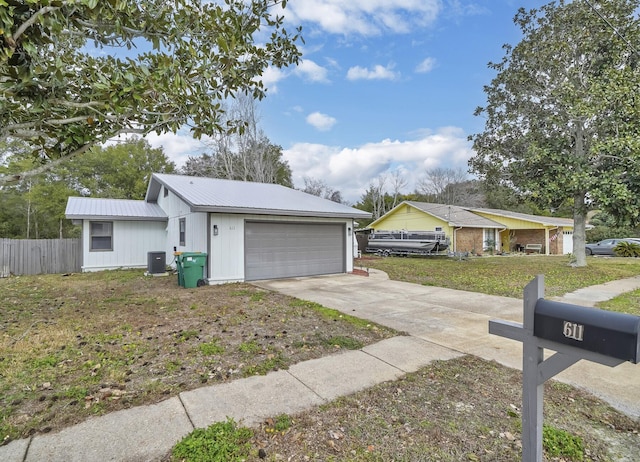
point(574, 333)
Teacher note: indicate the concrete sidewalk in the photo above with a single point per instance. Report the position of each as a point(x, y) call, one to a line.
point(147, 433)
point(441, 323)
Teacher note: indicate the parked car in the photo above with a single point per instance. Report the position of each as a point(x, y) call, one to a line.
point(607, 246)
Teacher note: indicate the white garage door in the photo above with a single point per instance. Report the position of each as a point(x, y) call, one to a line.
point(279, 250)
point(567, 242)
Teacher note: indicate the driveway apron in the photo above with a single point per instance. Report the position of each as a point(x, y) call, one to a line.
point(454, 320)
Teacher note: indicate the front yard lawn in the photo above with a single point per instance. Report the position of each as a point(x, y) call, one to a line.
point(503, 275)
point(87, 344)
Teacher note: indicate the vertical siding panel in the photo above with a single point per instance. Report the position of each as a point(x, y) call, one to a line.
point(132, 240)
point(227, 248)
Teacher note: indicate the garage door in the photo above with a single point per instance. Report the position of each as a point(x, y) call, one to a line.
point(280, 250)
point(567, 242)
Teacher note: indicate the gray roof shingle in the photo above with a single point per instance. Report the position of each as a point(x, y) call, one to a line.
point(455, 215)
point(546, 221)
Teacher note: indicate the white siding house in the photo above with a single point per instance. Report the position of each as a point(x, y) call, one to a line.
point(248, 230)
point(117, 233)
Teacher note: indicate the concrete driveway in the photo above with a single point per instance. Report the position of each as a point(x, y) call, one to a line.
point(456, 320)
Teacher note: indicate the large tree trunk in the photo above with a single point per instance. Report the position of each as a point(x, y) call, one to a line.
point(579, 229)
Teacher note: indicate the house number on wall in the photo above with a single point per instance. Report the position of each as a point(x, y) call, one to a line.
point(573, 330)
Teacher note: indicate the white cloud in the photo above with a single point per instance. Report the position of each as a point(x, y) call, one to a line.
point(320, 121)
point(426, 65)
point(364, 17)
point(311, 71)
point(457, 9)
point(178, 146)
point(271, 76)
point(378, 72)
point(350, 170)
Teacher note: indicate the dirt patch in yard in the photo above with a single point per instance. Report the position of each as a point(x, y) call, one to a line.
point(86, 344)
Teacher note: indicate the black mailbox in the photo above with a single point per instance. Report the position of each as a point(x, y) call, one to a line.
point(605, 332)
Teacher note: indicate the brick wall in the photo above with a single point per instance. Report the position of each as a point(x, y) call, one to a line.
point(528, 236)
point(469, 239)
point(536, 236)
point(556, 247)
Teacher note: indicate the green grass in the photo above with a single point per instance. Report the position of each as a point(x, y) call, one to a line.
point(625, 303)
point(64, 338)
point(505, 275)
point(560, 443)
point(273, 362)
point(255, 295)
point(331, 314)
point(251, 347)
point(282, 423)
point(211, 348)
point(220, 442)
point(187, 335)
point(340, 341)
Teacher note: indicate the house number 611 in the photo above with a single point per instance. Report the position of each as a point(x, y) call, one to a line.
point(573, 330)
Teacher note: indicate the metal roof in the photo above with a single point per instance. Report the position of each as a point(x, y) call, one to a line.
point(227, 196)
point(545, 221)
point(455, 215)
point(80, 208)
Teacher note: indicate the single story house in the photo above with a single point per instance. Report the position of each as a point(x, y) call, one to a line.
point(477, 229)
point(250, 231)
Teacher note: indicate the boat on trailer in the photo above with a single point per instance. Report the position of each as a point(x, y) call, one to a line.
point(407, 242)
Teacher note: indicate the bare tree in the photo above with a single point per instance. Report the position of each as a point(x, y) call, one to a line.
point(398, 182)
point(321, 189)
point(314, 186)
point(439, 184)
point(245, 155)
point(377, 191)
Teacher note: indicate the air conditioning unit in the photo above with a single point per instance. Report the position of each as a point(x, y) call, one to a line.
point(156, 262)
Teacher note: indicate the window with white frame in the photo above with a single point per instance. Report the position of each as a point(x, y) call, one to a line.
point(183, 231)
point(489, 238)
point(100, 236)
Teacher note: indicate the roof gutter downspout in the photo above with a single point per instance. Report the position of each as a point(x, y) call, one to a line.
point(455, 240)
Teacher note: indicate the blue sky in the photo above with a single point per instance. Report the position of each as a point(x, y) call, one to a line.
point(384, 85)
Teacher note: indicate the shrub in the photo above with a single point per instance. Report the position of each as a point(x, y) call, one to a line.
point(627, 249)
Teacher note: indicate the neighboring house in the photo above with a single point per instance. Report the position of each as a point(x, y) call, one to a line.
point(476, 229)
point(555, 234)
point(250, 231)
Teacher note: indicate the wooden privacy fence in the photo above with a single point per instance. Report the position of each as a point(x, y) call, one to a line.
point(39, 256)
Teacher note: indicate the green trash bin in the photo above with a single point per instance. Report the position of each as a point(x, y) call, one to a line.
point(179, 268)
point(193, 264)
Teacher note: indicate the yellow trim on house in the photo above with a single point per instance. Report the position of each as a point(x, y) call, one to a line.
point(513, 223)
point(410, 218)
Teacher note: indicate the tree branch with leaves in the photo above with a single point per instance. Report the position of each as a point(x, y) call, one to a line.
point(562, 113)
point(74, 73)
